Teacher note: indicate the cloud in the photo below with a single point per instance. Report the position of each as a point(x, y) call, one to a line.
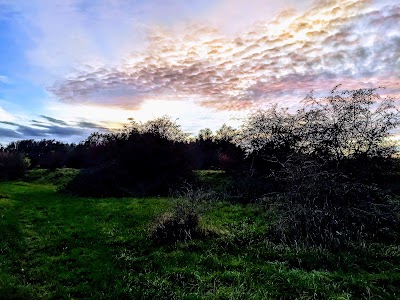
point(338, 41)
point(63, 131)
point(6, 133)
point(90, 125)
point(48, 128)
point(5, 116)
point(235, 16)
point(55, 121)
point(4, 80)
point(22, 131)
point(119, 55)
point(31, 132)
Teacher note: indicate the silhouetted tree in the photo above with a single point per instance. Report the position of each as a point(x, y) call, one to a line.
point(323, 163)
point(230, 155)
point(204, 150)
point(48, 154)
point(164, 127)
point(348, 124)
point(13, 165)
point(145, 159)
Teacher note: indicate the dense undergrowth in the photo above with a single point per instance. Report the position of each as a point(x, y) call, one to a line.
point(57, 246)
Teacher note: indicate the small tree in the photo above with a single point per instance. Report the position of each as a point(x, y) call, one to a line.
point(205, 135)
point(143, 159)
point(13, 165)
point(268, 138)
point(348, 124)
point(323, 163)
point(164, 127)
point(230, 155)
point(345, 127)
point(268, 131)
point(226, 134)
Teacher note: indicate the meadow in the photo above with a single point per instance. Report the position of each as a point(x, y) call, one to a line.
point(58, 246)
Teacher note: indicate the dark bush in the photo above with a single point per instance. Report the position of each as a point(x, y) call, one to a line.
point(13, 165)
point(142, 169)
point(47, 154)
point(96, 182)
point(149, 162)
point(179, 224)
point(320, 207)
point(321, 167)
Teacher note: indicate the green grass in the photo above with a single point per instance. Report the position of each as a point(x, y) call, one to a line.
point(57, 177)
point(56, 246)
point(213, 179)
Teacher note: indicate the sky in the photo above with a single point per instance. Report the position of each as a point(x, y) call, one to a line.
point(71, 67)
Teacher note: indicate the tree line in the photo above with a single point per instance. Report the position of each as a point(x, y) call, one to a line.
point(323, 167)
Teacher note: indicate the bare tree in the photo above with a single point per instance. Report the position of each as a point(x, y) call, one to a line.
point(326, 159)
point(225, 134)
point(274, 128)
point(344, 125)
point(163, 127)
point(348, 124)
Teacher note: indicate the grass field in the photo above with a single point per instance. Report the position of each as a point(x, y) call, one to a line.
point(56, 246)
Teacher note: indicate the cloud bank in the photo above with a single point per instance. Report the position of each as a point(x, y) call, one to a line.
point(48, 128)
point(204, 62)
point(353, 42)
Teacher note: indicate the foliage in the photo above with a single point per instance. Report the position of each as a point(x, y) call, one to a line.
point(348, 124)
point(179, 224)
point(345, 125)
point(49, 154)
point(225, 134)
point(134, 162)
point(12, 165)
point(183, 221)
point(321, 165)
point(321, 207)
point(318, 166)
point(164, 127)
point(269, 132)
point(216, 151)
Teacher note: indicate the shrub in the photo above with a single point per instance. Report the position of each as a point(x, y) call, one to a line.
point(179, 224)
point(134, 163)
point(48, 154)
point(345, 127)
point(320, 207)
point(95, 182)
point(13, 165)
point(320, 166)
point(348, 124)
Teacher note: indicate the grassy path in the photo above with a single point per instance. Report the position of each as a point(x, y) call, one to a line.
point(59, 246)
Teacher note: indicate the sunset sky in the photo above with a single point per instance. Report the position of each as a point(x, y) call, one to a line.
point(71, 67)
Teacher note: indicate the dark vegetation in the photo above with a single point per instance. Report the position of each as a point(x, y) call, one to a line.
point(57, 246)
point(307, 202)
point(13, 165)
point(181, 223)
